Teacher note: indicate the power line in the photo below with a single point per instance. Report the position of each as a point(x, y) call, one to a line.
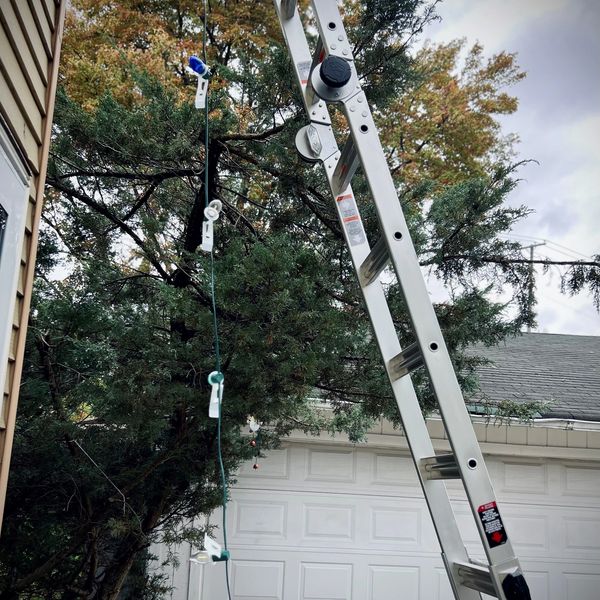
point(559, 247)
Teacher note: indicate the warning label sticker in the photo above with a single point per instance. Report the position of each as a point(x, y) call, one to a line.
point(304, 70)
point(492, 524)
point(351, 220)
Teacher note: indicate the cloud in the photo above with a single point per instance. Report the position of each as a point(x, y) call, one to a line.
point(492, 22)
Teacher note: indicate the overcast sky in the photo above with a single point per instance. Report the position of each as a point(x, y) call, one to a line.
point(558, 122)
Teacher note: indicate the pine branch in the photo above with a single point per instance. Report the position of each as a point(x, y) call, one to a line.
point(104, 211)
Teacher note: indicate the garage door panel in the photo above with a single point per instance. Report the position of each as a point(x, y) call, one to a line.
point(539, 584)
point(523, 478)
point(468, 529)
point(330, 522)
point(528, 534)
point(325, 581)
point(383, 578)
point(393, 470)
point(581, 481)
point(331, 466)
point(257, 580)
point(276, 466)
point(582, 536)
point(397, 527)
point(582, 586)
point(257, 518)
point(442, 589)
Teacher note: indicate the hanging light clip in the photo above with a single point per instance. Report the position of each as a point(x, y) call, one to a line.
point(212, 552)
point(211, 214)
point(200, 70)
point(216, 380)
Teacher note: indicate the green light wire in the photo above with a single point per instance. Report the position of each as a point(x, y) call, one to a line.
point(214, 313)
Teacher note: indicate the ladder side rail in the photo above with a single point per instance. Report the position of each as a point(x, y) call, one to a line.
point(415, 427)
point(302, 61)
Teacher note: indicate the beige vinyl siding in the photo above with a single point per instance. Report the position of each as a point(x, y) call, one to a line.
point(29, 66)
point(30, 32)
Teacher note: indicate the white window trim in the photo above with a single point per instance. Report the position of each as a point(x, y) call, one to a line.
point(14, 197)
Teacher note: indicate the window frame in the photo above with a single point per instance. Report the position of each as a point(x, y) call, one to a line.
point(14, 197)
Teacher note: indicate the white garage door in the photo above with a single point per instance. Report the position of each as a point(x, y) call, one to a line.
point(336, 523)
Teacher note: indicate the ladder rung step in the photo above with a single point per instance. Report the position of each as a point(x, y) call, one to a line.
point(477, 578)
point(374, 263)
point(288, 8)
point(440, 466)
point(346, 167)
point(407, 361)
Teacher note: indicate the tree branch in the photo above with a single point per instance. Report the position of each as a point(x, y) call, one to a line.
point(104, 211)
point(263, 135)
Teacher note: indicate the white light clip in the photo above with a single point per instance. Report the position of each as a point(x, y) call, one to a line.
point(201, 90)
point(211, 214)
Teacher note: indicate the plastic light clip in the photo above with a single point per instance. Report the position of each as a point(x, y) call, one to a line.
point(201, 92)
point(201, 71)
point(216, 380)
point(211, 214)
point(212, 552)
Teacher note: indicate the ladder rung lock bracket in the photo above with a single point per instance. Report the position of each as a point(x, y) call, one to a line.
point(407, 361)
point(477, 578)
point(441, 466)
point(346, 167)
point(375, 262)
point(288, 8)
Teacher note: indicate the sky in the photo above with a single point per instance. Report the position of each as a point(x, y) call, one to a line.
point(558, 123)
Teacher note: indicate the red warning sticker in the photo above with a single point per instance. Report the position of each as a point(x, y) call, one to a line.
point(492, 524)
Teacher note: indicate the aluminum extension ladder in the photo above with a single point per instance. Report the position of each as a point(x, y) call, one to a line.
point(330, 76)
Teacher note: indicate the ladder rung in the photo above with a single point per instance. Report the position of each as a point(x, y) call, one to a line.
point(441, 466)
point(288, 8)
point(374, 263)
point(477, 578)
point(407, 361)
point(346, 167)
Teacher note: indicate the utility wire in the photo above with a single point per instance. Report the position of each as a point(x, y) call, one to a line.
point(548, 242)
point(104, 474)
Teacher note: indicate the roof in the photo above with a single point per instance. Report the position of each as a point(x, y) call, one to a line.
point(563, 370)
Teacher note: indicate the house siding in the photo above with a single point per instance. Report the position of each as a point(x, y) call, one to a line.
point(30, 38)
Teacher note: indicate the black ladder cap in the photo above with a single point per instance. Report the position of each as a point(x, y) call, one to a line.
point(335, 72)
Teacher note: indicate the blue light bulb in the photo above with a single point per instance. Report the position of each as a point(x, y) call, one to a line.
point(198, 66)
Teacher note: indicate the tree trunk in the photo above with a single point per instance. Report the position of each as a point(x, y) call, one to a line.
point(115, 576)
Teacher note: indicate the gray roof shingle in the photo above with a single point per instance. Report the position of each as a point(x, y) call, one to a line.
point(563, 370)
